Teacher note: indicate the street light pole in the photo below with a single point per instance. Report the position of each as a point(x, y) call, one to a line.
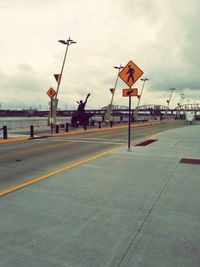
point(181, 100)
point(68, 42)
point(182, 97)
point(109, 108)
point(170, 97)
point(136, 110)
point(179, 105)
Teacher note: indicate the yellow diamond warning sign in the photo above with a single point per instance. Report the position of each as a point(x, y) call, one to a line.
point(130, 73)
point(51, 92)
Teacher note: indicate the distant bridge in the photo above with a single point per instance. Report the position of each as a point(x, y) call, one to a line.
point(189, 107)
point(117, 110)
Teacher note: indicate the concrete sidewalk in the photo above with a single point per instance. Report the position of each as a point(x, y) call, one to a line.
point(136, 209)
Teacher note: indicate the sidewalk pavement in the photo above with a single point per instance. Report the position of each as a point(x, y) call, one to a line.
point(135, 209)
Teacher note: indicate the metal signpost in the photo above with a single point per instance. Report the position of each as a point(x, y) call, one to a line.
point(130, 74)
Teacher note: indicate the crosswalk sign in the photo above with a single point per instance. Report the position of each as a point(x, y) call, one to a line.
point(130, 73)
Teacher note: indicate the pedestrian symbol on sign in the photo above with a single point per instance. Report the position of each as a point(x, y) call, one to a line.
point(131, 73)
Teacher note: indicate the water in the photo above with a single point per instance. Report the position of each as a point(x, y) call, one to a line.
point(25, 122)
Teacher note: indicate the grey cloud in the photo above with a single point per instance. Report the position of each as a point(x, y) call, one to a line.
point(23, 88)
point(160, 36)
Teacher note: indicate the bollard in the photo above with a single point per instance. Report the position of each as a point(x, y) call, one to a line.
point(31, 131)
point(67, 127)
point(85, 127)
point(57, 128)
point(5, 132)
point(51, 128)
point(99, 124)
point(111, 124)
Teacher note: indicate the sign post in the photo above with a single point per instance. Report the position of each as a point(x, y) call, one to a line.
point(130, 74)
point(129, 120)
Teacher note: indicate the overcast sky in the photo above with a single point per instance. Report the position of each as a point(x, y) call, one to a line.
point(162, 37)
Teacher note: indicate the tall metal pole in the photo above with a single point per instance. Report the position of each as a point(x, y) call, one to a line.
point(51, 115)
point(179, 105)
point(129, 121)
point(62, 68)
point(170, 97)
point(136, 110)
point(181, 99)
point(109, 108)
point(55, 100)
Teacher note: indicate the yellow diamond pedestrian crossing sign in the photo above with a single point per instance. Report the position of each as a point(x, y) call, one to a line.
point(130, 73)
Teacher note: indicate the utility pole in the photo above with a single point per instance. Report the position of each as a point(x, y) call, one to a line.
point(109, 108)
point(68, 42)
point(140, 96)
point(178, 114)
point(170, 97)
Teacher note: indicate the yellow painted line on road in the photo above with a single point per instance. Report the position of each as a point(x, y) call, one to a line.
point(15, 188)
point(20, 139)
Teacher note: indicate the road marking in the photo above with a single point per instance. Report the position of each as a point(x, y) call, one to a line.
point(6, 141)
point(89, 139)
point(15, 188)
point(97, 141)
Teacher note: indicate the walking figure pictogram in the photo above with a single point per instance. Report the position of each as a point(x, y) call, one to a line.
point(130, 71)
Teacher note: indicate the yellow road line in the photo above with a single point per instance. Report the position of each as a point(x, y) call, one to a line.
point(6, 141)
point(15, 188)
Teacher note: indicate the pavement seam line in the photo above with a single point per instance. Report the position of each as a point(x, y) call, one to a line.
point(15, 188)
point(147, 216)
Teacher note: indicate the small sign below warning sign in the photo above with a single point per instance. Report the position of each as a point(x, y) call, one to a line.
point(130, 92)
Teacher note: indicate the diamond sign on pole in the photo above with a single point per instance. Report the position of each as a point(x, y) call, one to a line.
point(51, 92)
point(130, 73)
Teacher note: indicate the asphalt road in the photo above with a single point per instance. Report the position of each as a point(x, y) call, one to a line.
point(24, 161)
